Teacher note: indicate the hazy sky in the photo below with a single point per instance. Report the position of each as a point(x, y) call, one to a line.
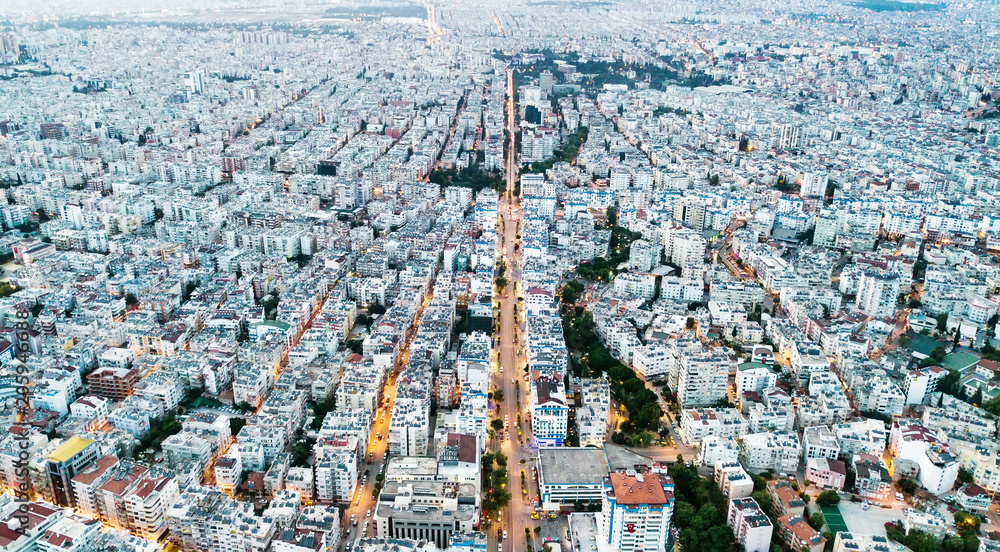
point(41, 9)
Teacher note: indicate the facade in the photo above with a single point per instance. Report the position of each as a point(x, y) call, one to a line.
point(798, 535)
point(549, 412)
point(636, 509)
point(425, 510)
point(733, 480)
point(750, 524)
point(698, 423)
point(702, 378)
point(826, 473)
point(65, 463)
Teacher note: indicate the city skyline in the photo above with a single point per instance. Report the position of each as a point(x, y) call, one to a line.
point(499, 276)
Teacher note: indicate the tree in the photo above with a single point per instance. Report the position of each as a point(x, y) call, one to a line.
point(377, 309)
point(642, 439)
point(356, 346)
point(816, 521)
point(942, 321)
point(966, 521)
point(130, 299)
point(964, 475)
point(828, 498)
point(571, 292)
point(907, 485)
point(236, 424)
point(497, 424)
point(7, 289)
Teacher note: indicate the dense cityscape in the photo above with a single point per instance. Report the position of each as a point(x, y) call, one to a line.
point(525, 276)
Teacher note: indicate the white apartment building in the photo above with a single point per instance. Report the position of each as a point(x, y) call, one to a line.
point(734, 481)
point(715, 451)
point(750, 524)
point(698, 423)
point(702, 378)
point(205, 519)
point(636, 509)
point(335, 470)
point(877, 293)
point(778, 451)
point(549, 412)
point(753, 377)
point(635, 284)
point(820, 442)
point(910, 440)
point(652, 361)
point(919, 384)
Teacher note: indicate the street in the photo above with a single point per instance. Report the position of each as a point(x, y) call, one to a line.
point(362, 500)
point(517, 515)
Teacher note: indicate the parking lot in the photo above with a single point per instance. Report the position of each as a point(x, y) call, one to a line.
point(870, 521)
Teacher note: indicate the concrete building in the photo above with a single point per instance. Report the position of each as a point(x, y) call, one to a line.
point(425, 510)
point(750, 524)
point(636, 509)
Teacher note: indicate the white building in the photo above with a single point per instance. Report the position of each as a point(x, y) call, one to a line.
point(778, 451)
point(636, 509)
point(877, 293)
point(549, 412)
point(698, 423)
point(734, 481)
point(702, 378)
point(750, 524)
point(910, 440)
point(820, 442)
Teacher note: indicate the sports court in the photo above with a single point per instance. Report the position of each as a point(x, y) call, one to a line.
point(834, 519)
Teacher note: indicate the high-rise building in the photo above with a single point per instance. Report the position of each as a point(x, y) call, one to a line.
point(195, 82)
point(67, 461)
point(702, 378)
point(635, 511)
point(814, 184)
point(549, 411)
point(691, 212)
point(877, 293)
point(545, 83)
point(750, 524)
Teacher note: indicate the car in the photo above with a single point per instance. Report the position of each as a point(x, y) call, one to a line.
point(534, 515)
point(499, 547)
point(369, 514)
point(504, 534)
point(899, 547)
point(354, 521)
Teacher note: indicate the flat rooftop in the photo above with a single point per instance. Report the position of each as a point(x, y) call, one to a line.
point(572, 465)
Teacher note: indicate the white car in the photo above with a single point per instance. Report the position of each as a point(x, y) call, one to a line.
point(504, 534)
